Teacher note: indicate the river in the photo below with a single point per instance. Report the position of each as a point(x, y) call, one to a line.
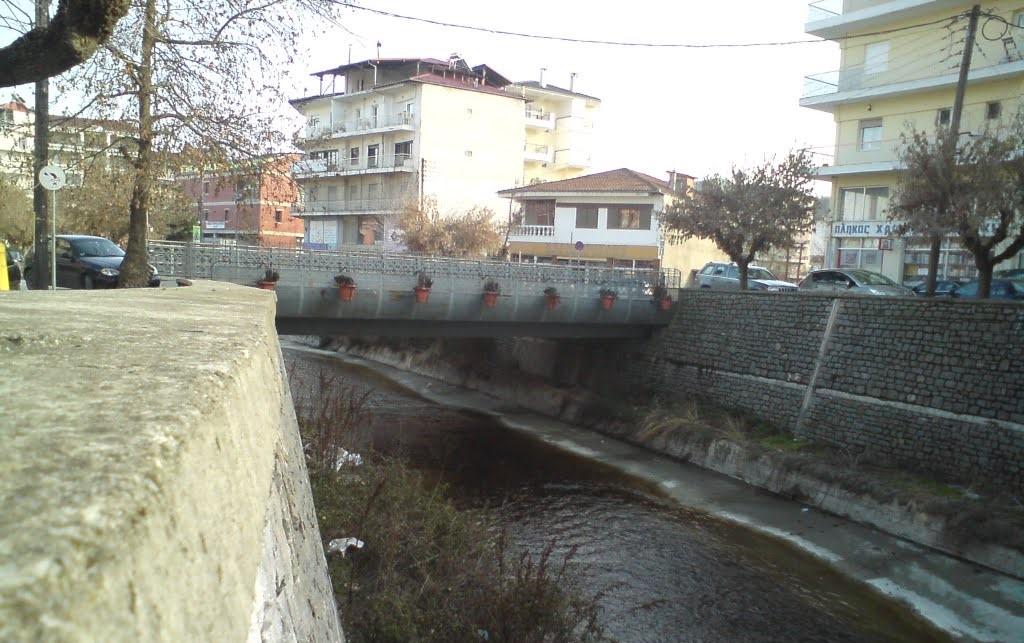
point(668, 573)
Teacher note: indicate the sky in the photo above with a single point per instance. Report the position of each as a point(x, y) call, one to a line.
point(699, 111)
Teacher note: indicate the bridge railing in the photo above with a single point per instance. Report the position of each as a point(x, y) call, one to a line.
point(204, 261)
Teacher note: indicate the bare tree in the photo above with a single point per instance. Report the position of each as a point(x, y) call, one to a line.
point(460, 234)
point(200, 85)
point(974, 189)
point(749, 211)
point(73, 34)
point(16, 218)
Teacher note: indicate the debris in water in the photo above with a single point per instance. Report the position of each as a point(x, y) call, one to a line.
point(343, 545)
point(347, 457)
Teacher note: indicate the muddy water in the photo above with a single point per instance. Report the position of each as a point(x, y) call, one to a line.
point(667, 573)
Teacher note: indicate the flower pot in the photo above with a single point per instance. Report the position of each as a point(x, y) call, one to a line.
point(490, 299)
point(665, 303)
point(266, 285)
point(346, 292)
point(422, 294)
point(552, 301)
point(607, 301)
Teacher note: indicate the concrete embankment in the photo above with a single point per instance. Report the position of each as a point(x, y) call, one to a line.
point(152, 478)
point(966, 600)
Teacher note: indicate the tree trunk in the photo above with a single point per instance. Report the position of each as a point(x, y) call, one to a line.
point(985, 268)
point(135, 267)
point(743, 267)
point(933, 263)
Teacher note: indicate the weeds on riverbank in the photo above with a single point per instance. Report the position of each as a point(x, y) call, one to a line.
point(427, 571)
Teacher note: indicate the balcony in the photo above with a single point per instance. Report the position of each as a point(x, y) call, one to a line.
point(539, 119)
point(350, 206)
point(572, 158)
point(321, 168)
point(538, 153)
point(402, 121)
point(532, 233)
point(833, 18)
point(856, 83)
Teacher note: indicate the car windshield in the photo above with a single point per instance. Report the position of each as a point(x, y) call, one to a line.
point(866, 278)
point(96, 248)
point(759, 273)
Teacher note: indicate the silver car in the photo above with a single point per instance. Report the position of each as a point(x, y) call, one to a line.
point(719, 275)
point(854, 281)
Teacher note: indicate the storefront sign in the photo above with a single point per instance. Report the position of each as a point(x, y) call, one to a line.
point(215, 225)
point(866, 228)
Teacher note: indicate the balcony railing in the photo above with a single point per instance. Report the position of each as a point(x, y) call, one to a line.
point(539, 118)
point(537, 152)
point(360, 125)
point(534, 231)
point(824, 9)
point(316, 167)
point(353, 206)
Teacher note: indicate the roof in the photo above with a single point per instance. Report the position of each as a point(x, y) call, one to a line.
point(381, 62)
point(620, 180)
point(434, 79)
point(533, 84)
point(306, 99)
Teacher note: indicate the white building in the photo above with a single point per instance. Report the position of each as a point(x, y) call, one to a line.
point(404, 130)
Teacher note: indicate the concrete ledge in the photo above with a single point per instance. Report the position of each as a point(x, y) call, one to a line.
point(152, 481)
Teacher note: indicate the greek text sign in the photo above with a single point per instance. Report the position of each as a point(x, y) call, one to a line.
point(866, 228)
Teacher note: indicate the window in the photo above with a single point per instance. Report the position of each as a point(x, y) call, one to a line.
point(860, 253)
point(351, 192)
point(954, 261)
point(403, 151)
point(206, 215)
point(353, 156)
point(586, 216)
point(329, 156)
point(469, 153)
point(1018, 18)
point(469, 111)
point(278, 216)
point(863, 204)
point(373, 116)
point(876, 58)
point(871, 135)
point(226, 211)
point(631, 217)
point(6, 115)
point(993, 110)
point(943, 117)
point(371, 155)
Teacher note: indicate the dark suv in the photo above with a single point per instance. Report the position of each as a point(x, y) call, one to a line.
point(89, 262)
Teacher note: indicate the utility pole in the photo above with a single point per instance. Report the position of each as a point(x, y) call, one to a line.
point(954, 136)
point(40, 157)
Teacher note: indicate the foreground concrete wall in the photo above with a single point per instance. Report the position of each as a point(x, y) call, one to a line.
point(932, 385)
point(152, 480)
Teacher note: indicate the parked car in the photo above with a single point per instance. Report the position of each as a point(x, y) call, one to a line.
point(90, 262)
point(1000, 289)
point(943, 288)
point(14, 266)
point(720, 275)
point(854, 281)
point(1017, 274)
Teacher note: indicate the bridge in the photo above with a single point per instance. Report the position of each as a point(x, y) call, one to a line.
point(384, 304)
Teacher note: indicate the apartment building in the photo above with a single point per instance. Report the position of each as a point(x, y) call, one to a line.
point(385, 134)
point(898, 71)
point(251, 207)
point(611, 218)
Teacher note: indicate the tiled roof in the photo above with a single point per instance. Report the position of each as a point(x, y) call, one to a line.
point(620, 180)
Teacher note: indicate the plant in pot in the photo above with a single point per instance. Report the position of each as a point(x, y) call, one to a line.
point(608, 297)
point(422, 287)
point(346, 287)
point(491, 292)
point(269, 279)
point(551, 297)
point(661, 297)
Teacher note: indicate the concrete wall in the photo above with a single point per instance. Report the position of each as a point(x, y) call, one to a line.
point(931, 385)
point(152, 479)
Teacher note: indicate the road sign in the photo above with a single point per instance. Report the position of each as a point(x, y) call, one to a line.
point(52, 178)
point(579, 246)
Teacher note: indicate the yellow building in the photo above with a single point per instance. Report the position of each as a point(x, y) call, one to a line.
point(384, 134)
point(898, 72)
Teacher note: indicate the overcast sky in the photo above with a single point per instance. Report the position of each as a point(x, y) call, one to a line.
point(694, 110)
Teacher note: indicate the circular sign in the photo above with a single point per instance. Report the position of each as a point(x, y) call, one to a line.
point(52, 177)
point(579, 246)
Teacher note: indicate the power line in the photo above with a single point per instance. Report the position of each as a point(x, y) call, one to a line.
point(622, 43)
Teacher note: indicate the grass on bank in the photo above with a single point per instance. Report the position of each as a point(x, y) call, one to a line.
point(428, 571)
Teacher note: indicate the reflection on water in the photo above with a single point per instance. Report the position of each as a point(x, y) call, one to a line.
point(669, 573)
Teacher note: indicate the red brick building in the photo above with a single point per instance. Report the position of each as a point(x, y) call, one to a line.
point(249, 208)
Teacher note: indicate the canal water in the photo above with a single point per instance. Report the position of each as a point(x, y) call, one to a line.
point(668, 573)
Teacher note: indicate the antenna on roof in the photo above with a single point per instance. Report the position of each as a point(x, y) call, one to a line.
point(542, 70)
point(572, 79)
point(378, 50)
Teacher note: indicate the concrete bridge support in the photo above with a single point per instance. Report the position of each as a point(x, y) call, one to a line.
point(152, 478)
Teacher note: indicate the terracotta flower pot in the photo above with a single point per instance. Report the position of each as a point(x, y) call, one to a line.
point(665, 303)
point(607, 301)
point(552, 301)
point(422, 294)
point(266, 285)
point(346, 292)
point(490, 299)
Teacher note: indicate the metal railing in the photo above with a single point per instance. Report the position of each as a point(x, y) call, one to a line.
point(350, 205)
point(209, 261)
point(540, 116)
point(359, 125)
point(824, 9)
point(533, 231)
point(313, 167)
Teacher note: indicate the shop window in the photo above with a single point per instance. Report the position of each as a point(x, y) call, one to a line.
point(954, 261)
point(860, 253)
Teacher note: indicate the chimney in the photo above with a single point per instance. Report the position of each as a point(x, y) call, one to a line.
point(672, 181)
point(542, 70)
point(572, 80)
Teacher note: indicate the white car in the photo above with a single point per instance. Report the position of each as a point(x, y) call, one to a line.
point(720, 276)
